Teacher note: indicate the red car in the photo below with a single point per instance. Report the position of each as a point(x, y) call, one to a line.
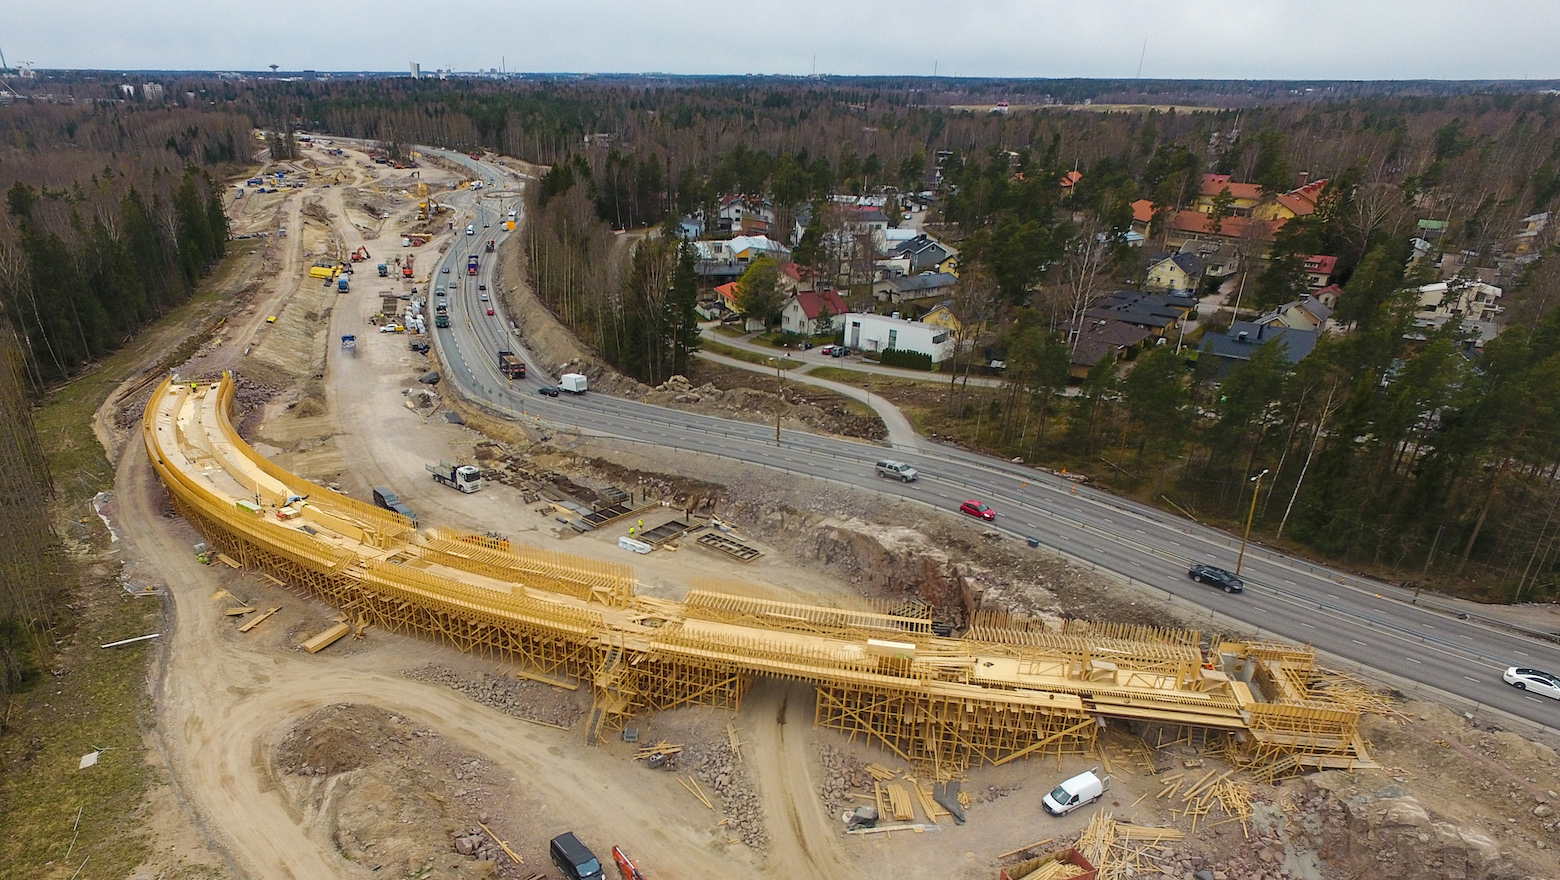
point(977, 510)
point(490, 310)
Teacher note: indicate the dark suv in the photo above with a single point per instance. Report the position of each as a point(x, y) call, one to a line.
point(1218, 577)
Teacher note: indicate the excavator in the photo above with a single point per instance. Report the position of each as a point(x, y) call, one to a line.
point(406, 267)
point(360, 255)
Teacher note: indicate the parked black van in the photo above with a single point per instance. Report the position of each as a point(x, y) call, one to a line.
point(574, 859)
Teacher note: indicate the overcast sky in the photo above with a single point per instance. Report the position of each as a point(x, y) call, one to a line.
point(1233, 39)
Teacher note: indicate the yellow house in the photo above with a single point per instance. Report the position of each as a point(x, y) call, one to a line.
point(1244, 196)
point(1175, 272)
point(942, 316)
point(950, 264)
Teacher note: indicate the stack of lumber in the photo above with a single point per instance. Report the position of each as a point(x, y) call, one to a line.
point(899, 804)
point(1233, 798)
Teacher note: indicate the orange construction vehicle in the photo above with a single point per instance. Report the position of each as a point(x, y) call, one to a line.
point(406, 267)
point(360, 255)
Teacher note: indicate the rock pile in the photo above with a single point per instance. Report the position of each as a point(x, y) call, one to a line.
point(521, 698)
point(841, 772)
point(718, 768)
point(1387, 831)
point(475, 843)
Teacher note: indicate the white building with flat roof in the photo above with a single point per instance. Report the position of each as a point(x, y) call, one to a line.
point(874, 333)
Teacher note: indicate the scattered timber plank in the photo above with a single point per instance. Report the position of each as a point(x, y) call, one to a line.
point(884, 829)
point(1035, 845)
point(239, 611)
point(229, 561)
point(256, 621)
point(736, 744)
point(326, 638)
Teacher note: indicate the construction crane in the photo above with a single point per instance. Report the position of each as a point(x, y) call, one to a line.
point(5, 73)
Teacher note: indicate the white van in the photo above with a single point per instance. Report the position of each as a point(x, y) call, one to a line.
point(470, 229)
point(1081, 790)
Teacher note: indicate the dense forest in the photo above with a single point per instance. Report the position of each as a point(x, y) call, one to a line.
point(112, 215)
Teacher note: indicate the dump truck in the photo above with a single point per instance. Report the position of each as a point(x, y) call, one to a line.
point(510, 365)
point(471, 265)
point(341, 284)
point(464, 477)
point(349, 343)
point(574, 383)
point(490, 245)
point(384, 270)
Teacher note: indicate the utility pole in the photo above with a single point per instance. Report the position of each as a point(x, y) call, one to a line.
point(1241, 559)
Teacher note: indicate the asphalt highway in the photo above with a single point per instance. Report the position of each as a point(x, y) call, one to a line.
point(1374, 625)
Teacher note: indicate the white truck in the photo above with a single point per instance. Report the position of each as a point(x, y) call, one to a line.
point(574, 383)
point(1081, 790)
point(460, 476)
point(471, 229)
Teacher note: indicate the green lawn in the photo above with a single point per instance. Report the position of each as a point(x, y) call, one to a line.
point(751, 357)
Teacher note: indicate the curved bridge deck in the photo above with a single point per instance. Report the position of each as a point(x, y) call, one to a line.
point(1006, 689)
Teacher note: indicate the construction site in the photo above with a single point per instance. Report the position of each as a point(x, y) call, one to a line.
point(346, 691)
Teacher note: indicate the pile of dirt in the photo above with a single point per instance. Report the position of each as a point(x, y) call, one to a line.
point(733, 393)
point(387, 792)
point(522, 698)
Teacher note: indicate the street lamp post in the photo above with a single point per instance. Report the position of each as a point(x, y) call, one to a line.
point(1241, 559)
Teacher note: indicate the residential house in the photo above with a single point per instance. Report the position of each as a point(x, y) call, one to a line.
point(1530, 234)
point(1244, 197)
point(1469, 300)
point(1299, 202)
point(942, 316)
point(1319, 270)
point(745, 215)
point(1328, 296)
point(1218, 260)
point(1237, 345)
point(1431, 230)
point(1102, 339)
point(913, 287)
point(924, 253)
point(1156, 313)
point(1070, 180)
point(1181, 271)
point(875, 333)
point(1142, 215)
point(1305, 313)
point(868, 220)
point(803, 310)
point(729, 259)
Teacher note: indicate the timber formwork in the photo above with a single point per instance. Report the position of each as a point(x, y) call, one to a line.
point(1011, 688)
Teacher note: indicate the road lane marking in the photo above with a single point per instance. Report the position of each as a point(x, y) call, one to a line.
point(1412, 660)
point(1358, 642)
point(1428, 625)
point(1535, 699)
point(1523, 653)
point(1307, 625)
point(1474, 680)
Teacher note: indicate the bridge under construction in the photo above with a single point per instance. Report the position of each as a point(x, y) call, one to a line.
point(1005, 689)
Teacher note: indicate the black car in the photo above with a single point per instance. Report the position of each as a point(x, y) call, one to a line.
point(549, 390)
point(1218, 577)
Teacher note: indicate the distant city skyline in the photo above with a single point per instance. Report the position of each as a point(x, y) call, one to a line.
point(1164, 39)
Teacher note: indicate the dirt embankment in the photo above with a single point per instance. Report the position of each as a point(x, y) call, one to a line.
point(539, 330)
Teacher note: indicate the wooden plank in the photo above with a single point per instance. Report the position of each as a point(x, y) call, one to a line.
point(1035, 845)
point(501, 844)
point(568, 686)
point(326, 638)
point(256, 621)
point(239, 611)
point(228, 561)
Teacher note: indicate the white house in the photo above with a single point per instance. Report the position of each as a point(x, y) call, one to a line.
point(873, 333)
point(802, 311)
point(1470, 300)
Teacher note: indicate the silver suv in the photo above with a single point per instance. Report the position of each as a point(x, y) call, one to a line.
point(897, 470)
